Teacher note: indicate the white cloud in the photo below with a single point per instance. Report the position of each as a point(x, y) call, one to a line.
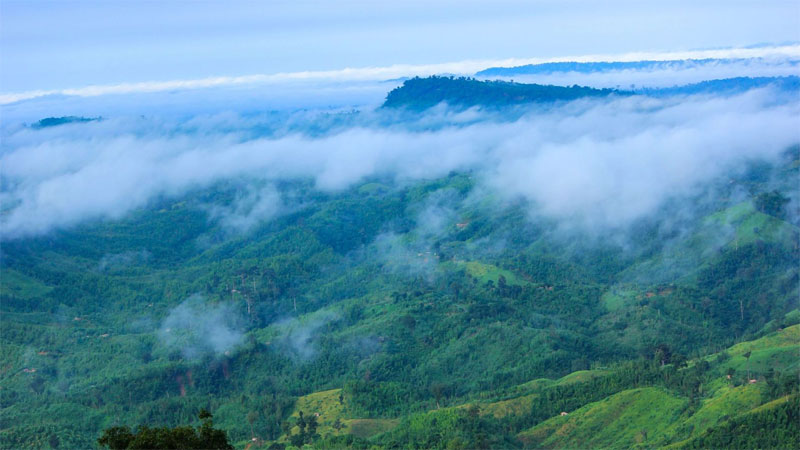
point(600, 162)
point(362, 74)
point(198, 328)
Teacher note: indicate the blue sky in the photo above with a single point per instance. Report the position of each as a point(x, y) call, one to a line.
point(70, 44)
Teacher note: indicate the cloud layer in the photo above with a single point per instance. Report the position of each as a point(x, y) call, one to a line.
point(599, 162)
point(758, 61)
point(668, 74)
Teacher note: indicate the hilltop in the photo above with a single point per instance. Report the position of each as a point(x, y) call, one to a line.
point(422, 93)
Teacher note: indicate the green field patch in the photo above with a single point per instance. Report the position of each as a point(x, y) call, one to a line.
point(512, 407)
point(766, 407)
point(752, 225)
point(328, 408)
point(778, 350)
point(365, 428)
point(325, 405)
point(524, 393)
point(615, 299)
point(726, 403)
point(16, 284)
point(533, 385)
point(489, 272)
point(623, 420)
point(581, 376)
point(373, 189)
point(788, 337)
point(772, 404)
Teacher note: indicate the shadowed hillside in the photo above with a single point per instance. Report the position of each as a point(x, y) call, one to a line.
point(422, 93)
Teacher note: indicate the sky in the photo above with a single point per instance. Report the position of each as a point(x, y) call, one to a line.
point(53, 45)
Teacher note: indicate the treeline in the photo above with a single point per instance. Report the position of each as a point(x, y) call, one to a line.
point(422, 93)
point(775, 428)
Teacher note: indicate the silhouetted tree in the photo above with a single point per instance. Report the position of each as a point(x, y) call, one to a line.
point(206, 437)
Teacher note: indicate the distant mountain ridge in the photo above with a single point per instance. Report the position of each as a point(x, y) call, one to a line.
point(727, 86)
point(56, 121)
point(603, 66)
point(422, 93)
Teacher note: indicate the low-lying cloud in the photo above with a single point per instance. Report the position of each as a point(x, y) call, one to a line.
point(198, 328)
point(676, 73)
point(257, 204)
point(598, 162)
point(122, 260)
point(298, 337)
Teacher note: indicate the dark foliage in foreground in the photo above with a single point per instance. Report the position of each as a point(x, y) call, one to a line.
point(205, 437)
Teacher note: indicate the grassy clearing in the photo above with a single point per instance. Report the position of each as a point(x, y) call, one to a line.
point(581, 376)
point(788, 337)
point(726, 403)
point(752, 225)
point(526, 392)
point(511, 407)
point(13, 283)
point(629, 418)
point(365, 428)
point(328, 407)
point(779, 351)
point(324, 403)
point(373, 189)
point(488, 272)
point(617, 298)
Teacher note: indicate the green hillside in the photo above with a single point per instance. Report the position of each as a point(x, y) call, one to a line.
point(659, 415)
point(413, 314)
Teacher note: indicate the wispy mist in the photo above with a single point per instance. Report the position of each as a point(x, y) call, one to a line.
point(298, 337)
point(122, 260)
point(670, 74)
point(257, 204)
point(199, 328)
point(592, 162)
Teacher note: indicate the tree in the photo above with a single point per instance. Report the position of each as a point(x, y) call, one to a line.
point(502, 285)
point(663, 354)
point(337, 424)
point(307, 430)
point(116, 438)
point(206, 437)
point(772, 203)
point(251, 418)
point(312, 425)
point(747, 356)
point(679, 360)
point(437, 389)
point(301, 423)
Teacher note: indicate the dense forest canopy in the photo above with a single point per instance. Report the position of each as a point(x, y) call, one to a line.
point(421, 93)
point(409, 309)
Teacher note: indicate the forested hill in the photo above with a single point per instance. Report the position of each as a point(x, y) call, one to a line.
point(422, 93)
point(729, 86)
point(607, 66)
point(591, 67)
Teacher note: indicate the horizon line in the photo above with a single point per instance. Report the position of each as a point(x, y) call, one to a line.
point(395, 71)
